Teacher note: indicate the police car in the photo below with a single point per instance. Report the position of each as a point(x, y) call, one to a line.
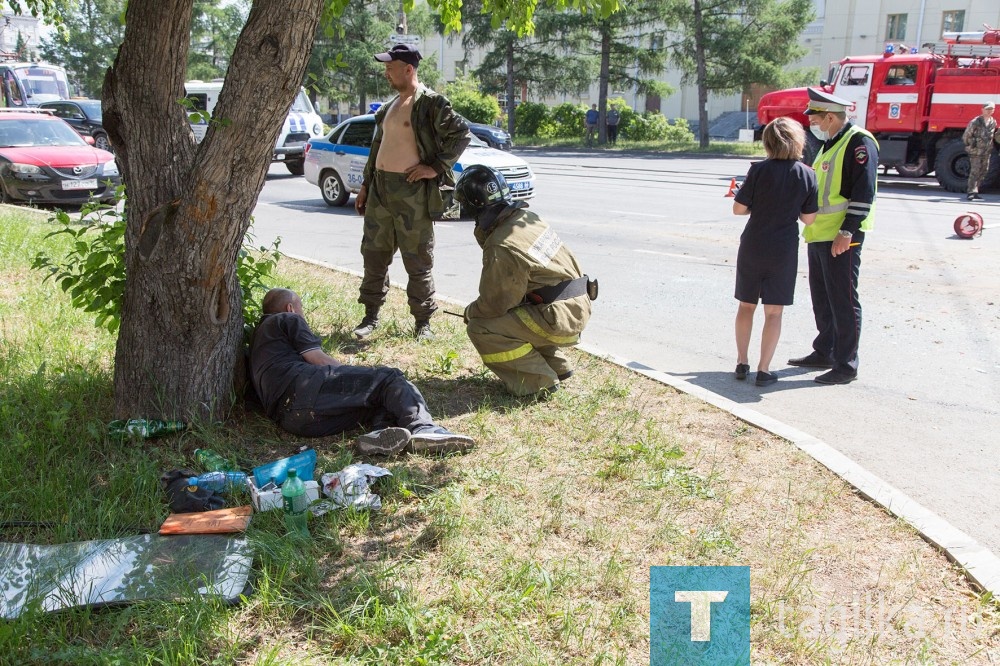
point(336, 163)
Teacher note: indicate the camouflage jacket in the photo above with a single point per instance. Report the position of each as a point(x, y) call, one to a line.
point(442, 135)
point(979, 135)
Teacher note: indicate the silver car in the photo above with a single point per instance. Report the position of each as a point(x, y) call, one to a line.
point(336, 162)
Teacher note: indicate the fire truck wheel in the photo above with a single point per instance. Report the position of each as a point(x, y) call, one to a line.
point(969, 225)
point(952, 166)
point(918, 170)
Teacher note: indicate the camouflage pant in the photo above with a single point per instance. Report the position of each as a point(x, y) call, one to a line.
point(979, 164)
point(526, 361)
point(396, 217)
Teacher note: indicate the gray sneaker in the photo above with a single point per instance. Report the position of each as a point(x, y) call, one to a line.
point(435, 440)
point(384, 442)
point(423, 331)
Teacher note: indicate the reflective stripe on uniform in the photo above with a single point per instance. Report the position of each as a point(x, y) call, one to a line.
point(503, 357)
point(537, 330)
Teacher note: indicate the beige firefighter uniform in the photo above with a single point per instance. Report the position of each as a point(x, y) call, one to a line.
point(520, 339)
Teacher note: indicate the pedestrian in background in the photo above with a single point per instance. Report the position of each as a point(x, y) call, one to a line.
point(591, 119)
point(978, 139)
point(418, 139)
point(777, 193)
point(613, 118)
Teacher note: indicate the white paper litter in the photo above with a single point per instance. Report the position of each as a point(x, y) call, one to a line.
point(350, 487)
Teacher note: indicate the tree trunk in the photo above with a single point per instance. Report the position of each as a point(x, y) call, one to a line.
point(189, 205)
point(702, 74)
point(511, 105)
point(602, 84)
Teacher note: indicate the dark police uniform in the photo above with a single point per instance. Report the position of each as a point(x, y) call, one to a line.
point(846, 171)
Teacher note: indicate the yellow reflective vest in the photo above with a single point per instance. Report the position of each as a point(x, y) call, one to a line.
point(829, 166)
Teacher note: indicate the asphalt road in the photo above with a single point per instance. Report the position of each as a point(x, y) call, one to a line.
point(661, 237)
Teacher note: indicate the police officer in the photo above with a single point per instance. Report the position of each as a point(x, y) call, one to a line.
point(978, 139)
point(846, 169)
point(533, 298)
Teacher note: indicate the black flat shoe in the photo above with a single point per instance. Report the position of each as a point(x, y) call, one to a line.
point(813, 360)
point(836, 377)
point(741, 370)
point(765, 378)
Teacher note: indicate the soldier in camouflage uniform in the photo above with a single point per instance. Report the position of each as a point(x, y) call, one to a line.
point(533, 298)
point(418, 139)
point(978, 139)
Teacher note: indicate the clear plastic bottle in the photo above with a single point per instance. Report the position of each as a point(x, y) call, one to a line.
point(296, 504)
point(212, 461)
point(144, 428)
point(219, 481)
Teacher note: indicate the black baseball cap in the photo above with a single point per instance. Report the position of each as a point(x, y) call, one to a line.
point(408, 54)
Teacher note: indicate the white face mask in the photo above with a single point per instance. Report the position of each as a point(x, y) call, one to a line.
point(822, 135)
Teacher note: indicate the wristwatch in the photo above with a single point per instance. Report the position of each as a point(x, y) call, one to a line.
point(845, 233)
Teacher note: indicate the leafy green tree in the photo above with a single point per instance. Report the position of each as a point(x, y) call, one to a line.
point(512, 60)
point(725, 46)
point(341, 65)
point(214, 30)
point(626, 47)
point(190, 204)
point(473, 105)
point(21, 47)
point(87, 42)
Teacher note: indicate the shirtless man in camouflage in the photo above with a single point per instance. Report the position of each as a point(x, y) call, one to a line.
point(418, 139)
point(978, 139)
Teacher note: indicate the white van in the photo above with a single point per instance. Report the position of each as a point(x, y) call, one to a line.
point(302, 123)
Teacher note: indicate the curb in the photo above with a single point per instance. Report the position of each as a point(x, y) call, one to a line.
point(980, 565)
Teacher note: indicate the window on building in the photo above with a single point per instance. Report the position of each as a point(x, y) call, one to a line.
point(895, 27)
point(953, 21)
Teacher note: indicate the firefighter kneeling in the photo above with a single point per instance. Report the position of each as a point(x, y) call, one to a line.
point(533, 298)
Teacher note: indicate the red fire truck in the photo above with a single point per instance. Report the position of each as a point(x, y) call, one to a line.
point(916, 104)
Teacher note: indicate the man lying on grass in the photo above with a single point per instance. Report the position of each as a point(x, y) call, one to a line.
point(311, 394)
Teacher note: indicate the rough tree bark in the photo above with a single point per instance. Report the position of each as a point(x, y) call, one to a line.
point(189, 205)
point(511, 104)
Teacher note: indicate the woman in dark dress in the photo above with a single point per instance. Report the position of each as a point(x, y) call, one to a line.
point(777, 193)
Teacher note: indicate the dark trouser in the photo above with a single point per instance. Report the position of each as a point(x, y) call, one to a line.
point(347, 397)
point(612, 133)
point(833, 283)
point(397, 217)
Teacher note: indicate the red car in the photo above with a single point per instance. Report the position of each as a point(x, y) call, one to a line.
point(44, 160)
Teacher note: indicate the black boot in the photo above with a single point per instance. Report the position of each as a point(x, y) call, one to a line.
point(368, 324)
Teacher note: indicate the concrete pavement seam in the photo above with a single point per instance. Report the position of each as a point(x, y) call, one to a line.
point(981, 566)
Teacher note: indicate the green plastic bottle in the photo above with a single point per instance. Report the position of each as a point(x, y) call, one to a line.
point(144, 428)
point(296, 504)
point(212, 461)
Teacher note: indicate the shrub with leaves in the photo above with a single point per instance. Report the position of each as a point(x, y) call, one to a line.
point(93, 272)
point(569, 120)
point(529, 117)
point(467, 100)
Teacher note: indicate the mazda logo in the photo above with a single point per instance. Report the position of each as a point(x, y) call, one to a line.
point(77, 170)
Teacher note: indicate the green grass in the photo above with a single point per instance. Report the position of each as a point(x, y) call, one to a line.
point(724, 148)
point(534, 548)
